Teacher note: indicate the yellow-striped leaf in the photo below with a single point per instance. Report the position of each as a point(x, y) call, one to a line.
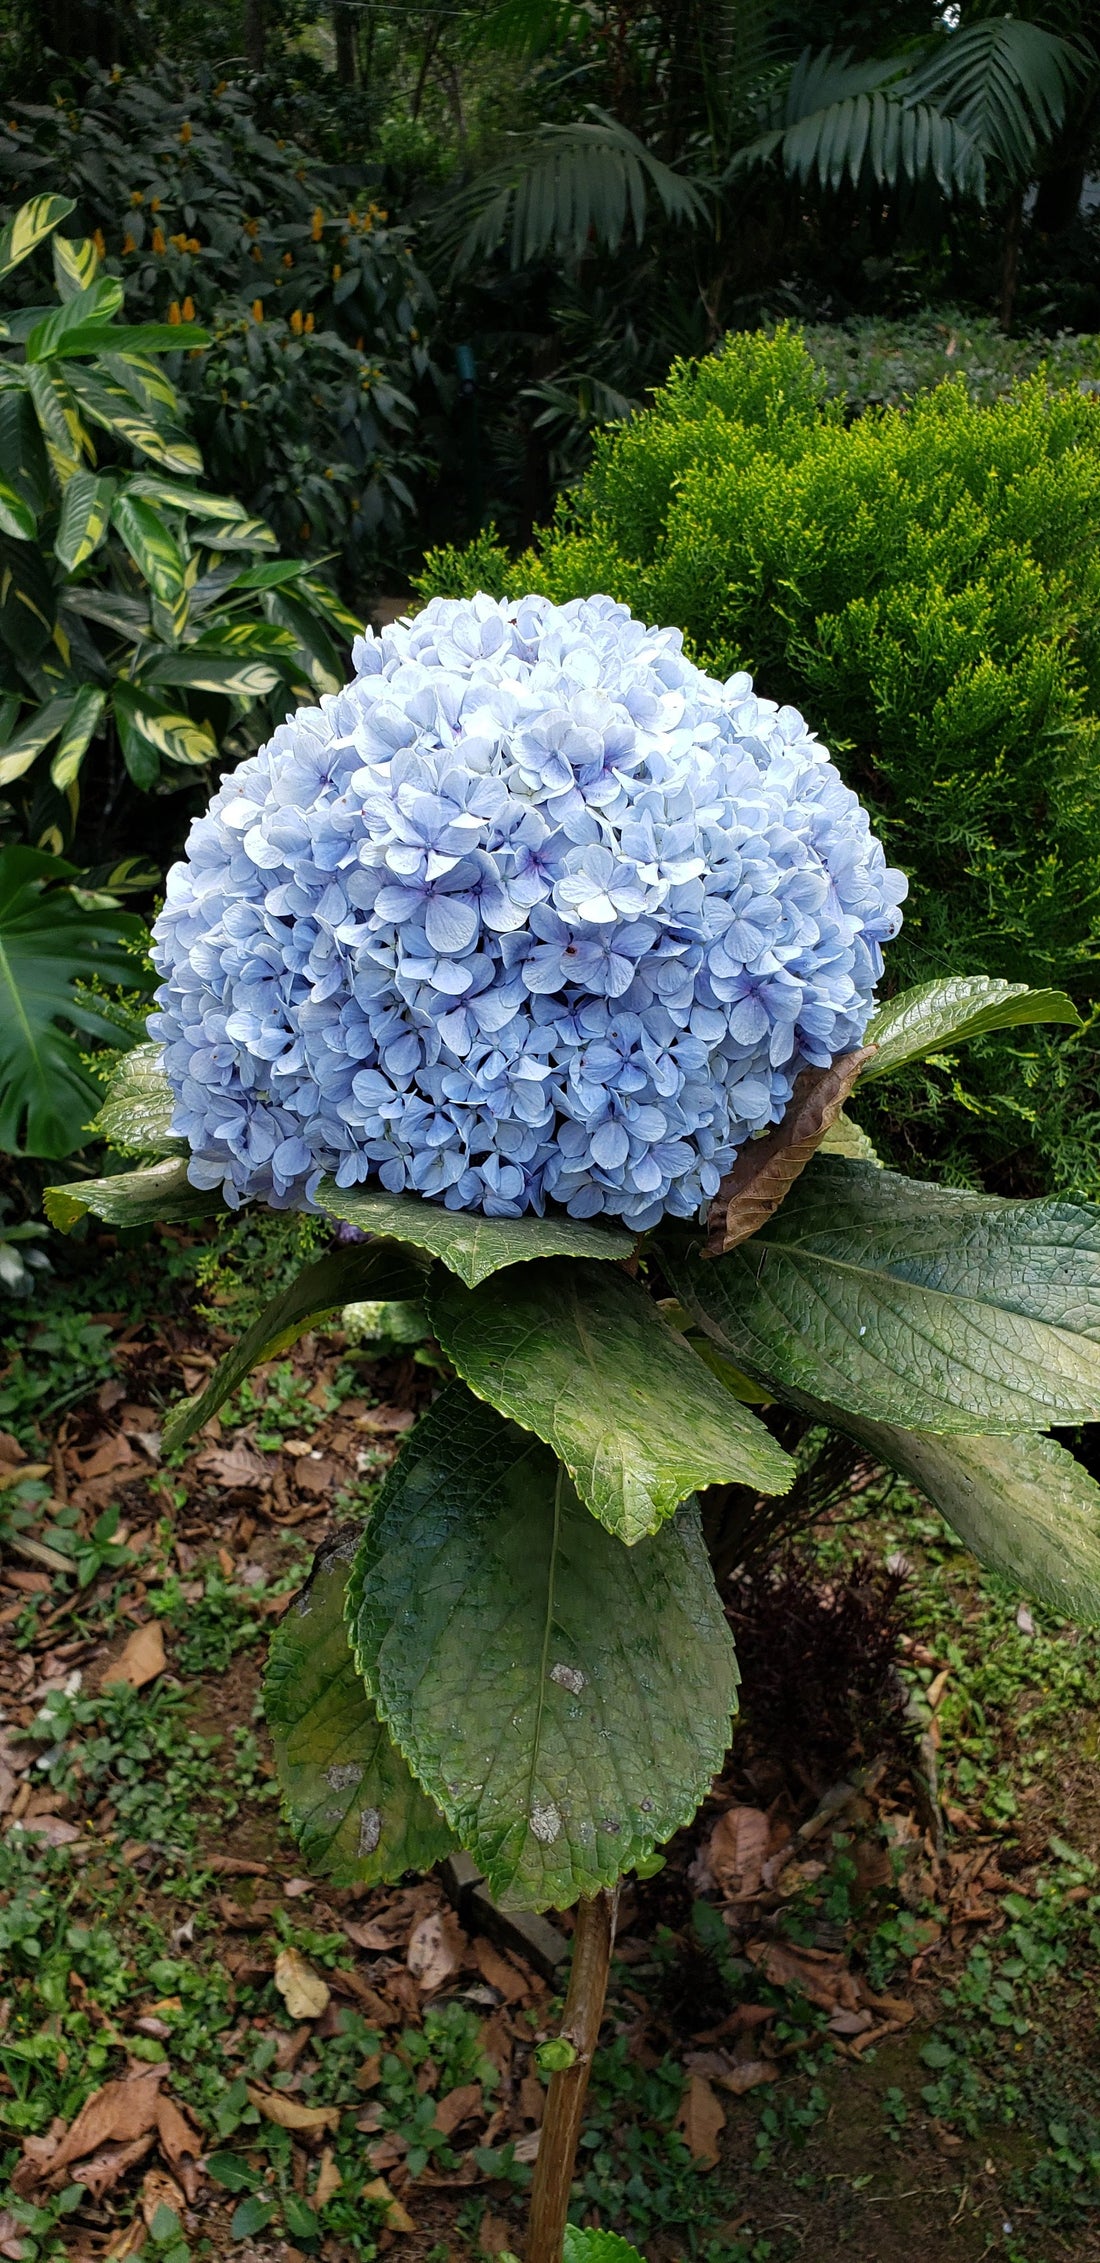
point(155, 552)
point(85, 514)
point(150, 732)
point(91, 308)
point(19, 753)
point(32, 223)
point(76, 735)
point(110, 407)
point(75, 264)
point(16, 516)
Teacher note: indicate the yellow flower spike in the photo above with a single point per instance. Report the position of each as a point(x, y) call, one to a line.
point(337, 272)
point(174, 314)
point(137, 196)
point(185, 131)
point(193, 244)
point(318, 227)
point(257, 310)
point(189, 308)
point(288, 259)
point(100, 242)
point(296, 322)
point(128, 244)
point(159, 244)
point(309, 322)
point(154, 204)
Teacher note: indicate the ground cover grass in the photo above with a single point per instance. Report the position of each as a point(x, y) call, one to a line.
point(853, 2014)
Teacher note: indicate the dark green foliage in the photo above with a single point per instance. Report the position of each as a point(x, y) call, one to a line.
point(302, 405)
point(925, 585)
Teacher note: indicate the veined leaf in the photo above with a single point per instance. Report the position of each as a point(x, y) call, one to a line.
point(271, 575)
point(161, 1195)
point(243, 534)
point(580, 1354)
point(468, 1244)
point(149, 731)
point(918, 1305)
point(356, 1810)
point(95, 305)
point(563, 1699)
point(77, 733)
point(155, 552)
point(27, 744)
point(193, 671)
point(16, 516)
point(846, 1137)
point(134, 338)
point(75, 264)
point(193, 501)
point(85, 513)
point(137, 1112)
point(935, 1016)
point(108, 406)
point(63, 430)
point(49, 943)
point(33, 222)
point(382, 1271)
point(143, 380)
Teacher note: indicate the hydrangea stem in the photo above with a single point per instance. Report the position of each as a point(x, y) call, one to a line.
point(593, 1936)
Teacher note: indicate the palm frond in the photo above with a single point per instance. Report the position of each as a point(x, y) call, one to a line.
point(563, 188)
point(1006, 83)
point(836, 119)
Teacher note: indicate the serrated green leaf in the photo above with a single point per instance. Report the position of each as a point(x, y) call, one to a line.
point(563, 1699)
point(950, 1011)
point(85, 515)
point(356, 1810)
point(160, 1195)
point(137, 1112)
point(381, 1269)
point(846, 1137)
point(579, 1354)
point(31, 224)
point(75, 264)
point(925, 1306)
point(464, 1241)
point(77, 732)
point(597, 2247)
point(96, 305)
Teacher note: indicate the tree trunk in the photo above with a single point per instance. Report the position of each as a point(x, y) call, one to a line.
point(593, 1936)
point(343, 25)
point(1010, 258)
point(255, 35)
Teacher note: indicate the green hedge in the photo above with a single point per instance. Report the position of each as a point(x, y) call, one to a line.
point(925, 584)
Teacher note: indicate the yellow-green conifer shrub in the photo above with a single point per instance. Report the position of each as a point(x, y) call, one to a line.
point(925, 582)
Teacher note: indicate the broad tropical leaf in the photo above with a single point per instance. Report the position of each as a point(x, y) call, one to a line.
point(75, 264)
point(31, 225)
point(132, 340)
point(161, 1195)
point(97, 304)
point(37, 733)
point(579, 1354)
point(565, 184)
point(468, 1244)
point(110, 407)
point(919, 1305)
point(767, 1168)
point(155, 552)
point(194, 670)
point(563, 1699)
point(357, 1812)
point(16, 516)
point(48, 943)
point(137, 1112)
point(951, 1010)
point(839, 119)
point(149, 731)
point(85, 516)
point(384, 1271)
point(76, 735)
point(1006, 82)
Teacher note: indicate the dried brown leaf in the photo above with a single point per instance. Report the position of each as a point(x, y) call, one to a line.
point(734, 1855)
point(277, 2106)
point(767, 1168)
point(435, 1951)
point(302, 1989)
point(159, 2190)
point(179, 2143)
point(702, 2120)
point(141, 1659)
point(748, 2074)
point(458, 2106)
point(117, 2114)
point(397, 2218)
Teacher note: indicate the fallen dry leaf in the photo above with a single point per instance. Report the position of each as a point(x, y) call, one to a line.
point(329, 2180)
point(397, 2218)
point(500, 1972)
point(495, 2235)
point(319, 1478)
point(118, 2114)
point(702, 2120)
point(747, 2074)
point(767, 1168)
point(302, 1989)
point(179, 2143)
point(102, 2170)
point(141, 1659)
point(458, 2106)
point(822, 1978)
point(128, 2240)
point(159, 2190)
point(234, 1466)
point(435, 1950)
point(734, 1855)
point(112, 1454)
point(288, 2113)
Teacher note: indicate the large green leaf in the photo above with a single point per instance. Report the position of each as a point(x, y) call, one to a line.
point(382, 1271)
point(161, 1195)
point(49, 942)
point(564, 1700)
point(194, 502)
point(33, 222)
point(85, 515)
point(154, 550)
point(137, 1112)
point(96, 304)
point(950, 1011)
point(16, 516)
point(75, 264)
point(356, 1810)
point(109, 406)
point(579, 1354)
point(919, 1305)
point(134, 339)
point(191, 670)
point(23, 460)
point(564, 186)
point(76, 735)
point(150, 731)
point(37, 733)
point(468, 1244)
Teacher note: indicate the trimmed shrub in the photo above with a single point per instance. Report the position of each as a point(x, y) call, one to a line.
point(926, 582)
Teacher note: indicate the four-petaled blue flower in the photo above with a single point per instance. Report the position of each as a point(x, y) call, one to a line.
point(531, 912)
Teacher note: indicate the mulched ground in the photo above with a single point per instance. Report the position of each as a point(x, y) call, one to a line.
point(737, 2006)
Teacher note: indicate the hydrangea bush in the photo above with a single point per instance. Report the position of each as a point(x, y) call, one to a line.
point(533, 911)
point(547, 963)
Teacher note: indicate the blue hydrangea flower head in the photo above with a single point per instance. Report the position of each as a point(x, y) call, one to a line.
point(532, 912)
